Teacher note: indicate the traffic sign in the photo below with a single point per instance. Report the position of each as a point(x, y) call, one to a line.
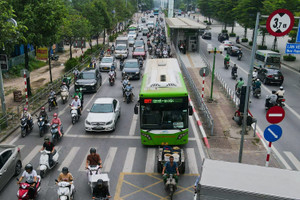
point(204, 71)
point(298, 33)
point(275, 115)
point(280, 22)
point(272, 133)
point(292, 48)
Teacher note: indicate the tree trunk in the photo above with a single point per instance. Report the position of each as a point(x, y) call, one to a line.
point(91, 46)
point(97, 40)
point(245, 32)
point(26, 53)
point(263, 38)
point(104, 37)
point(70, 49)
point(225, 26)
point(232, 28)
point(49, 60)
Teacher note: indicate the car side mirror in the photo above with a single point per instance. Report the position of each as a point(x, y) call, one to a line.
point(136, 109)
point(88, 110)
point(191, 110)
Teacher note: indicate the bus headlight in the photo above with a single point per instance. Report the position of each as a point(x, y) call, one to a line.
point(180, 136)
point(147, 136)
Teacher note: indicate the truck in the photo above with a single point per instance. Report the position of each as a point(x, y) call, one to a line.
point(121, 49)
point(237, 181)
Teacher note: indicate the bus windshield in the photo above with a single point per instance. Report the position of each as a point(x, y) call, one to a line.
point(273, 59)
point(165, 113)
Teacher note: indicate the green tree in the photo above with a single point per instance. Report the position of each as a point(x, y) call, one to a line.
point(206, 9)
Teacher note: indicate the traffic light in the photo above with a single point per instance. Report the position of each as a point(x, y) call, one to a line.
point(242, 98)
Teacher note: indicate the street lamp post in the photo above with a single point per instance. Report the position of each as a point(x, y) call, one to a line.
point(210, 50)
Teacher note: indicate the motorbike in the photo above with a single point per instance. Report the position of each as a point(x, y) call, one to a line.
point(268, 105)
point(237, 40)
point(240, 54)
point(234, 75)
point(165, 54)
point(45, 165)
point(128, 95)
point(257, 92)
point(74, 115)
point(22, 193)
point(150, 50)
point(121, 64)
point(42, 126)
point(25, 127)
point(140, 60)
point(54, 57)
point(64, 93)
point(64, 191)
point(51, 102)
point(170, 185)
point(226, 64)
point(55, 133)
point(111, 79)
point(281, 101)
point(94, 174)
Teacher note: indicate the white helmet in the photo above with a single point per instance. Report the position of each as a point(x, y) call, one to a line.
point(281, 88)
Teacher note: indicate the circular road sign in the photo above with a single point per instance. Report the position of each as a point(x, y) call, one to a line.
point(204, 71)
point(275, 115)
point(272, 133)
point(280, 22)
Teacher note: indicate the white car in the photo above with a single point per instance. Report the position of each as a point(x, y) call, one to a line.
point(132, 34)
point(141, 26)
point(121, 50)
point(103, 115)
point(225, 44)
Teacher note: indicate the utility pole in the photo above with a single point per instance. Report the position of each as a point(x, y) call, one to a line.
point(3, 103)
point(49, 59)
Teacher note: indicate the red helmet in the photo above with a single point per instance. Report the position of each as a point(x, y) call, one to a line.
point(76, 97)
point(25, 109)
point(55, 115)
point(43, 108)
point(63, 83)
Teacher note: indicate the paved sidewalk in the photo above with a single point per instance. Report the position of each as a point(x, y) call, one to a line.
point(225, 143)
point(239, 30)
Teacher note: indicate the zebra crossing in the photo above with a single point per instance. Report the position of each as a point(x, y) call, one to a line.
point(72, 156)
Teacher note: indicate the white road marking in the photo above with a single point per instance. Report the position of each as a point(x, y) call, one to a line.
point(192, 161)
point(31, 155)
point(275, 136)
point(129, 159)
point(199, 144)
point(109, 159)
point(82, 166)
point(275, 115)
point(133, 125)
point(15, 139)
point(150, 162)
point(69, 158)
point(293, 159)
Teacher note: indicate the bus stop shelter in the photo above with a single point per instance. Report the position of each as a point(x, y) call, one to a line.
point(185, 30)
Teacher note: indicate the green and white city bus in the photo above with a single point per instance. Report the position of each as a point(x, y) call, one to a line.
point(164, 107)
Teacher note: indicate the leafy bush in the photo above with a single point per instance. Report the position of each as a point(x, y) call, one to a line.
point(289, 57)
point(208, 23)
point(224, 31)
point(33, 64)
point(244, 39)
point(205, 21)
point(276, 50)
point(72, 62)
point(232, 34)
point(260, 47)
point(293, 40)
point(250, 43)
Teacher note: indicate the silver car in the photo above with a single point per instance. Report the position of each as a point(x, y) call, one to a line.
point(106, 63)
point(10, 163)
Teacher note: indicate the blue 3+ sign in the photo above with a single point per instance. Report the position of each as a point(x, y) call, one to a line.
point(272, 133)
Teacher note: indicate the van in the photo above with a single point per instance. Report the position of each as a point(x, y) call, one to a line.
point(267, 59)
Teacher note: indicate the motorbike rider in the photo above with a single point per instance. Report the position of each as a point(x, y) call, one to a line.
point(53, 94)
point(79, 94)
point(66, 176)
point(271, 101)
point(165, 52)
point(76, 74)
point(43, 114)
point(226, 59)
point(101, 190)
point(170, 167)
point(256, 84)
point(76, 103)
point(239, 85)
point(128, 87)
point(56, 120)
point(280, 93)
point(64, 86)
point(66, 81)
point(254, 74)
point(234, 70)
point(49, 146)
point(93, 159)
point(31, 178)
point(112, 48)
point(27, 115)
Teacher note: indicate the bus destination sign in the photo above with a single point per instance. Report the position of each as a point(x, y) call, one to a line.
point(163, 100)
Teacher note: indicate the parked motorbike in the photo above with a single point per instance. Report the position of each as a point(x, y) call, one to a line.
point(55, 134)
point(64, 191)
point(64, 93)
point(54, 57)
point(111, 79)
point(42, 126)
point(170, 185)
point(51, 103)
point(74, 115)
point(25, 127)
point(24, 188)
point(45, 165)
point(128, 95)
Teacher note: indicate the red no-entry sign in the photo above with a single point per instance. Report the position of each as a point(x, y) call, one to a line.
point(275, 115)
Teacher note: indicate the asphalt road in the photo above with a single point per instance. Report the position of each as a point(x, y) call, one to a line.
point(131, 166)
point(288, 144)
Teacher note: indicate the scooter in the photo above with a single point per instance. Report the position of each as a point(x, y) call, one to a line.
point(257, 92)
point(94, 174)
point(42, 126)
point(65, 190)
point(280, 101)
point(74, 114)
point(240, 55)
point(226, 65)
point(234, 75)
point(170, 185)
point(25, 128)
point(150, 50)
point(128, 95)
point(55, 133)
point(140, 60)
point(22, 193)
point(44, 161)
point(64, 93)
point(111, 79)
point(268, 105)
point(51, 102)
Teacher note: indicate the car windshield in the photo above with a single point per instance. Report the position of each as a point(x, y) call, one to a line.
point(145, 30)
point(273, 71)
point(139, 43)
point(131, 33)
point(131, 65)
point(121, 47)
point(107, 60)
point(102, 108)
point(139, 50)
point(131, 39)
point(87, 75)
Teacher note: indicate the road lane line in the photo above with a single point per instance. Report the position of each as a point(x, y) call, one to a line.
point(192, 161)
point(129, 159)
point(293, 159)
point(69, 158)
point(82, 166)
point(150, 162)
point(31, 155)
point(199, 144)
point(68, 130)
point(133, 125)
point(109, 159)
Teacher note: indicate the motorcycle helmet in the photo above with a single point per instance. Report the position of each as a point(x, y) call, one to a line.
point(65, 170)
point(281, 88)
point(55, 115)
point(25, 109)
point(241, 78)
point(257, 79)
point(28, 167)
point(77, 90)
point(92, 150)
point(273, 92)
point(43, 109)
point(100, 182)
point(76, 97)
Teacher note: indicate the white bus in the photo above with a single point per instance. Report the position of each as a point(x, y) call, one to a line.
point(267, 59)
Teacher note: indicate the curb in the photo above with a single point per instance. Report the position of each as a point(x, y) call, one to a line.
point(199, 123)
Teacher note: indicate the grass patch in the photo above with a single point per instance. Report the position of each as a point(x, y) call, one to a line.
point(9, 90)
